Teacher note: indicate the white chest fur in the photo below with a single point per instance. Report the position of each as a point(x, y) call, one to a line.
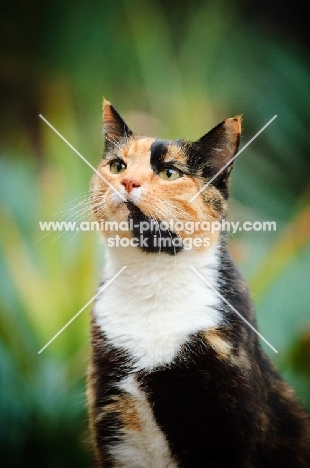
point(157, 302)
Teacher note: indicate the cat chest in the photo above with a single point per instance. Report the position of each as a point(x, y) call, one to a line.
point(152, 323)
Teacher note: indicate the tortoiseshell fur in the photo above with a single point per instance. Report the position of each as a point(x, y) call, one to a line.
point(176, 378)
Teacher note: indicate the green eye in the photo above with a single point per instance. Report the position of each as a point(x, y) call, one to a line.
point(170, 174)
point(117, 167)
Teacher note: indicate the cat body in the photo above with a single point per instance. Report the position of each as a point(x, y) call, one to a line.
point(177, 378)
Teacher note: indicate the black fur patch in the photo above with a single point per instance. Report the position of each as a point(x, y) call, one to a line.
point(158, 151)
point(152, 238)
point(199, 163)
point(203, 409)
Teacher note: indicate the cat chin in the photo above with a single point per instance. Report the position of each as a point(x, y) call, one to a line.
point(131, 227)
point(150, 237)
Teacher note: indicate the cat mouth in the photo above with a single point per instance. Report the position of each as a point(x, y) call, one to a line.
point(149, 234)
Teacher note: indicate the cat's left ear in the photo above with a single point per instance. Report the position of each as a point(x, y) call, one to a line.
point(221, 144)
point(115, 128)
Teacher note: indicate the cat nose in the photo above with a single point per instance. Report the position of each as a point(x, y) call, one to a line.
point(130, 184)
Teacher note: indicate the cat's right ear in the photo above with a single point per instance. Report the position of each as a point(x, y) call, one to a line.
point(115, 128)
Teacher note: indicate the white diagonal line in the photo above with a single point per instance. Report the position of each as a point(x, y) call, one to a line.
point(232, 159)
point(235, 310)
point(82, 157)
point(83, 308)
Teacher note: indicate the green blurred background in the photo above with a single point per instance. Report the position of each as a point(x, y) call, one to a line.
point(173, 69)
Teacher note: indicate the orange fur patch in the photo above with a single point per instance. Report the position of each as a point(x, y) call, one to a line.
point(218, 343)
point(175, 154)
point(125, 407)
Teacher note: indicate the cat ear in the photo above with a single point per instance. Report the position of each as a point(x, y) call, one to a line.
point(114, 126)
point(220, 145)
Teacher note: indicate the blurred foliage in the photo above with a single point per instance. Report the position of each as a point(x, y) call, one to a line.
point(174, 71)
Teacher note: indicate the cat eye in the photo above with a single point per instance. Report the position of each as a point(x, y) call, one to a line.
point(170, 174)
point(117, 167)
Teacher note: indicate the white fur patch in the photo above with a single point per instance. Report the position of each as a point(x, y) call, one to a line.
point(134, 196)
point(157, 302)
point(146, 447)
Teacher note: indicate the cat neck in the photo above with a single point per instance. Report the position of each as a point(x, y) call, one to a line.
point(138, 260)
point(158, 302)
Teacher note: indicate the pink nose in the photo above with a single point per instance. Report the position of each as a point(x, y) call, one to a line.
point(130, 184)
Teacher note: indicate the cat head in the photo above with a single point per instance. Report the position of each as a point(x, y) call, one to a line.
point(152, 185)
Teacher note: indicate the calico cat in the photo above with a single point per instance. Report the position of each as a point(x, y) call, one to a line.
point(176, 378)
